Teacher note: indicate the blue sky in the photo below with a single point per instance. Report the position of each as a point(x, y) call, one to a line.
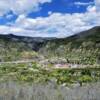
point(62, 6)
point(48, 18)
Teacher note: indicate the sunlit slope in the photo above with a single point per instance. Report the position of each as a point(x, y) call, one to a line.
point(82, 48)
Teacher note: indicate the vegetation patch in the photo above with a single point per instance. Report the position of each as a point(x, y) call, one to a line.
point(35, 73)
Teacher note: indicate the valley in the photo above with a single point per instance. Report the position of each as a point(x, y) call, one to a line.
point(78, 52)
point(66, 62)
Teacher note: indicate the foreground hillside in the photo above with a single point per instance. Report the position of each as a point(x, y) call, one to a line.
point(15, 91)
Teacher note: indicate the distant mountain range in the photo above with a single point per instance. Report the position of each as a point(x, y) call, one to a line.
point(89, 34)
point(92, 34)
point(32, 42)
point(87, 41)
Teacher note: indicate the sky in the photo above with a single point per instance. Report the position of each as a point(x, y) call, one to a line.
point(48, 18)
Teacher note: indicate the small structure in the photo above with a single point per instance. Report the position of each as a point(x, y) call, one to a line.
point(61, 66)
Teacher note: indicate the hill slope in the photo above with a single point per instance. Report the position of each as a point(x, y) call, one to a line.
point(17, 47)
point(81, 48)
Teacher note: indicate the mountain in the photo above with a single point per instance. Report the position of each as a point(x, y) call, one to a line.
point(31, 42)
point(89, 35)
point(12, 46)
point(82, 47)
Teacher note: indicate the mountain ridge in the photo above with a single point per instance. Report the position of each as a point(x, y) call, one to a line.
point(41, 39)
point(83, 46)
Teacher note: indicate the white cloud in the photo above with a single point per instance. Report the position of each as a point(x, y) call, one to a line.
point(20, 6)
point(97, 3)
point(4, 7)
point(55, 25)
point(4, 29)
point(50, 12)
point(83, 3)
point(9, 16)
point(59, 25)
point(91, 9)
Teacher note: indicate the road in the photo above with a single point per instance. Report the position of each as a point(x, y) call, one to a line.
point(17, 62)
point(68, 66)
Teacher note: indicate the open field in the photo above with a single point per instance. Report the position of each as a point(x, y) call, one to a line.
point(15, 91)
point(34, 72)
